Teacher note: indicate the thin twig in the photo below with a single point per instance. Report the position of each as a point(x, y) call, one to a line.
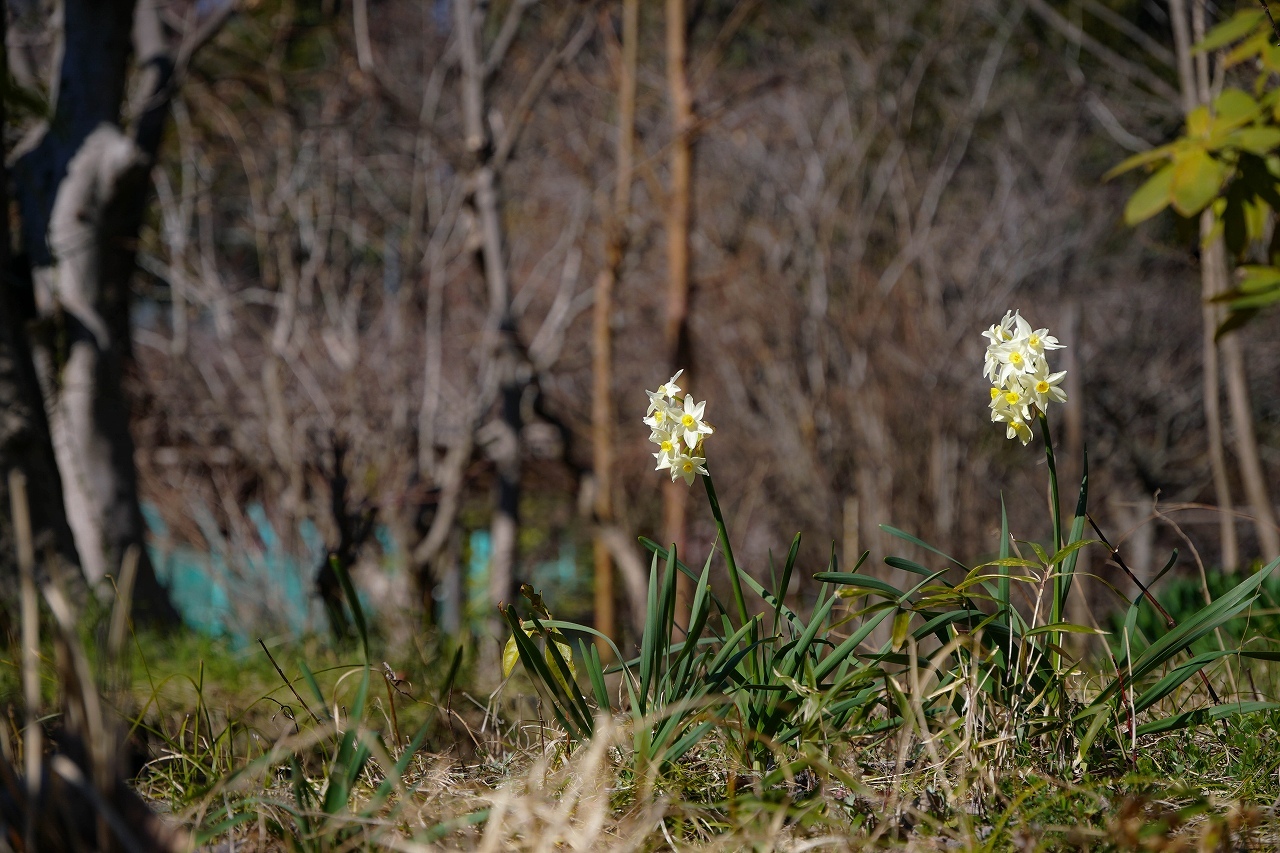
point(1275, 29)
point(1115, 555)
point(393, 687)
point(289, 684)
point(1169, 622)
point(1204, 586)
point(33, 749)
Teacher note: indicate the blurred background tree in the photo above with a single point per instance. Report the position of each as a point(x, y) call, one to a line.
point(379, 228)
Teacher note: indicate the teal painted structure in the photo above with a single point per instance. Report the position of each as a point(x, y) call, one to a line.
point(234, 587)
point(238, 589)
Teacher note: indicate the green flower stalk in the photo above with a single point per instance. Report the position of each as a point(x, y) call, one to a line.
point(679, 427)
point(1022, 387)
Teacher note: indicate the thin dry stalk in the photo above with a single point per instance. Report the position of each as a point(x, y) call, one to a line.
point(33, 747)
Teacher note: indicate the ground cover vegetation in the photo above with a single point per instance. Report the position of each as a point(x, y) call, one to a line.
point(330, 268)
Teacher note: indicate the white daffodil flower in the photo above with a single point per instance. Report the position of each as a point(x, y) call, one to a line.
point(687, 466)
point(668, 449)
point(1002, 331)
point(692, 426)
point(1018, 430)
point(677, 426)
point(1010, 405)
point(1014, 360)
point(1040, 340)
point(1021, 384)
point(662, 416)
point(665, 393)
point(1042, 386)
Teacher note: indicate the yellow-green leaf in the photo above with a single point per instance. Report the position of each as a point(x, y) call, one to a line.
point(1150, 198)
point(1142, 158)
point(1235, 105)
point(1257, 140)
point(1197, 177)
point(510, 654)
point(1198, 122)
point(1216, 230)
point(1234, 28)
point(1065, 628)
point(1247, 49)
point(1258, 277)
point(1255, 219)
point(567, 654)
point(901, 622)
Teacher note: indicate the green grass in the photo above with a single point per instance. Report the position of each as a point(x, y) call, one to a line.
point(939, 715)
point(861, 789)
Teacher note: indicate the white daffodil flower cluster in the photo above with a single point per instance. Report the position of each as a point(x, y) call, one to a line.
point(676, 425)
point(1021, 384)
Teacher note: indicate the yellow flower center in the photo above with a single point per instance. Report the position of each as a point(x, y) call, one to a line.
point(1015, 358)
point(689, 421)
point(1012, 398)
point(995, 392)
point(659, 416)
point(667, 447)
point(1034, 340)
point(1042, 387)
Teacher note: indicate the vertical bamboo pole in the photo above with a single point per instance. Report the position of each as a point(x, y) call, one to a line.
point(602, 413)
point(1209, 311)
point(1213, 260)
point(675, 496)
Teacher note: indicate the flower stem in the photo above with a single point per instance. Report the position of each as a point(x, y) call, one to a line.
point(1055, 503)
point(1060, 580)
point(728, 550)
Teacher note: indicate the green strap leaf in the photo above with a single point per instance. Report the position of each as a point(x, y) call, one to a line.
point(907, 537)
point(1150, 198)
point(1203, 715)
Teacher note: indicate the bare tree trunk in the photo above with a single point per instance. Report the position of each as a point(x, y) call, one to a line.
point(1214, 262)
point(25, 444)
point(675, 496)
point(504, 448)
point(602, 412)
point(1251, 470)
point(81, 189)
point(507, 371)
point(1209, 311)
point(82, 186)
point(502, 436)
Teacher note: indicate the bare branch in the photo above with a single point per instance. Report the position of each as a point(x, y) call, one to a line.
point(1125, 67)
point(537, 83)
point(506, 36)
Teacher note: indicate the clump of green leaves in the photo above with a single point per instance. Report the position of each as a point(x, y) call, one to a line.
point(781, 687)
point(1225, 161)
point(769, 681)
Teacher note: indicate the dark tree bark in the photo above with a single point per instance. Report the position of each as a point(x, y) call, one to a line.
point(24, 430)
point(354, 525)
point(82, 185)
